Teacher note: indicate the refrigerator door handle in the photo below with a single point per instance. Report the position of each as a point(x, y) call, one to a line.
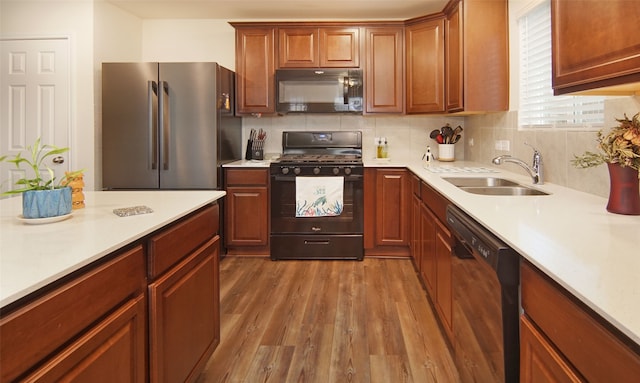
point(165, 122)
point(152, 95)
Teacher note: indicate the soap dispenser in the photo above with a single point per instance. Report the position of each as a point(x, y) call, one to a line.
point(385, 149)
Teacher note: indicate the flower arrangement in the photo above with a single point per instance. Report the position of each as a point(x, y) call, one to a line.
point(620, 146)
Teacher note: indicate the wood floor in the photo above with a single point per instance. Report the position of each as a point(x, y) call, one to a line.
point(326, 321)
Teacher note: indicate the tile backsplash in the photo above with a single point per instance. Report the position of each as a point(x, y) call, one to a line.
point(557, 146)
point(408, 137)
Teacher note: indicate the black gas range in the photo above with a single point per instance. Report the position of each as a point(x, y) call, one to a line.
point(317, 197)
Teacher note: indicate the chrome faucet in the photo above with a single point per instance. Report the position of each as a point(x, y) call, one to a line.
point(535, 171)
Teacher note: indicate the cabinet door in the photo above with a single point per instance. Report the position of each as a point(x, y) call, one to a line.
point(339, 47)
point(255, 66)
point(184, 316)
point(298, 47)
point(392, 207)
point(443, 282)
point(384, 85)
point(428, 246)
point(424, 42)
point(112, 351)
point(592, 44)
point(415, 244)
point(539, 361)
point(247, 221)
point(454, 59)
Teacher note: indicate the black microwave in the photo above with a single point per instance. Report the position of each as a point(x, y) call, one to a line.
point(319, 91)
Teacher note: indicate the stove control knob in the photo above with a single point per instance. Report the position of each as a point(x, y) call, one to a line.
point(296, 171)
point(347, 171)
point(316, 171)
point(285, 170)
point(335, 171)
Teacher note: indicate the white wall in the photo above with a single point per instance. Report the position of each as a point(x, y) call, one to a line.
point(189, 40)
point(72, 19)
point(117, 38)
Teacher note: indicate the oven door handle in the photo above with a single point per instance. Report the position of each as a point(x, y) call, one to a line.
point(350, 178)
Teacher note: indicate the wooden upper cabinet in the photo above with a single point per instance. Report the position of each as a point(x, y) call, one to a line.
point(424, 42)
point(255, 70)
point(339, 47)
point(384, 83)
point(313, 47)
point(298, 47)
point(595, 44)
point(477, 56)
point(454, 59)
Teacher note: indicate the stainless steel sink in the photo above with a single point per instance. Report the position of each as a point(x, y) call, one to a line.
point(479, 181)
point(492, 186)
point(503, 190)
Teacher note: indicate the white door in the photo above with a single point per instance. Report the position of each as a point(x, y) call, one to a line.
point(34, 101)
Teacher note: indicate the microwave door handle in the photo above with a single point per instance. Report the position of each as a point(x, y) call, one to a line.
point(345, 90)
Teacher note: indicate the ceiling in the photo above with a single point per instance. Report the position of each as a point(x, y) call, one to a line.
point(249, 10)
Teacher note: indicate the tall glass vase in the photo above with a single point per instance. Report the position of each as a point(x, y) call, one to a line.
point(624, 194)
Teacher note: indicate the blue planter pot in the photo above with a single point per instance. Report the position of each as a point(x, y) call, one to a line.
point(46, 203)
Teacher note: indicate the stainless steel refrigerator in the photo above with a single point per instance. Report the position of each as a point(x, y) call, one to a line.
point(167, 125)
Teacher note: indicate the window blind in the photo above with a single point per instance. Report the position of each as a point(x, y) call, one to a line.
point(539, 108)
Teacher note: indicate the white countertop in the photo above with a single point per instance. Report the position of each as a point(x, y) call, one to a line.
point(569, 235)
point(32, 256)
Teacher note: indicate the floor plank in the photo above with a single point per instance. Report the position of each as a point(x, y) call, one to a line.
point(326, 322)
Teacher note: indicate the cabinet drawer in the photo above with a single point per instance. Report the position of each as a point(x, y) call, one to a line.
point(35, 330)
point(415, 184)
point(119, 341)
point(435, 201)
point(176, 242)
point(247, 177)
point(595, 352)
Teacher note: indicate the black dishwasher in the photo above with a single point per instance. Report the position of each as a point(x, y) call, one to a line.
point(485, 282)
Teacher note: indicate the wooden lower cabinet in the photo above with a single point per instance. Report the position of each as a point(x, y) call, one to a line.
point(148, 312)
point(246, 221)
point(539, 360)
point(432, 250)
point(428, 268)
point(112, 351)
point(32, 334)
point(386, 212)
point(184, 325)
point(444, 297)
point(564, 341)
point(435, 266)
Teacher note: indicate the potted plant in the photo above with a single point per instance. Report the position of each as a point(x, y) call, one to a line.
point(620, 150)
point(41, 197)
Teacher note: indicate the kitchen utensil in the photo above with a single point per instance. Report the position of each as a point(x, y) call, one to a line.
point(447, 133)
point(440, 139)
point(434, 133)
point(456, 138)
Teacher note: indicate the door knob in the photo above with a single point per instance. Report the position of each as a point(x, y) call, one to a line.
point(58, 160)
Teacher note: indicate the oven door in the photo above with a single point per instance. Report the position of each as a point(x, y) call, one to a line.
point(335, 237)
point(283, 209)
